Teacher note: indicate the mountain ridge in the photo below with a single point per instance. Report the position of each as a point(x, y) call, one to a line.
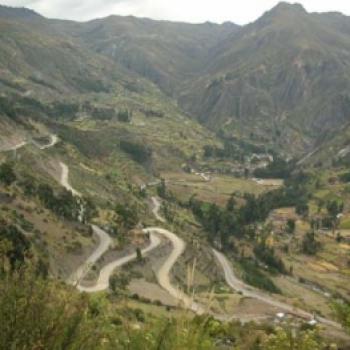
point(282, 79)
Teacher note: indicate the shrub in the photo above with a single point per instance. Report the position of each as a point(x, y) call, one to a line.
point(139, 152)
point(7, 175)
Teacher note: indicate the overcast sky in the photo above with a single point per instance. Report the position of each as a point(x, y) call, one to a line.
point(240, 12)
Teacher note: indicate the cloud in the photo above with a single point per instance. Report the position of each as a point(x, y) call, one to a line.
point(178, 10)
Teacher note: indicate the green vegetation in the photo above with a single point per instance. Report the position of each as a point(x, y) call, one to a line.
point(139, 152)
point(345, 177)
point(291, 226)
point(267, 255)
point(67, 320)
point(278, 169)
point(128, 216)
point(253, 276)
point(221, 223)
point(120, 130)
point(15, 243)
point(310, 245)
point(7, 175)
point(343, 312)
point(125, 116)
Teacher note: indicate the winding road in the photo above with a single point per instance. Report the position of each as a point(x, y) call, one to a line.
point(105, 241)
point(248, 291)
point(53, 141)
point(163, 274)
point(107, 271)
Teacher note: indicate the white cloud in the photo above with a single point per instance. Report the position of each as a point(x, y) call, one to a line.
point(178, 10)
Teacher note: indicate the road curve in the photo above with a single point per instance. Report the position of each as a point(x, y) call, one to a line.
point(64, 180)
point(53, 142)
point(248, 291)
point(163, 274)
point(105, 240)
point(107, 271)
point(105, 243)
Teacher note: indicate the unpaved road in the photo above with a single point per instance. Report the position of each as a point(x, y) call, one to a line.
point(54, 140)
point(105, 243)
point(14, 147)
point(64, 180)
point(107, 271)
point(163, 274)
point(105, 240)
point(248, 291)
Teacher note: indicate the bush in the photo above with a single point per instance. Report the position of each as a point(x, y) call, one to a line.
point(38, 314)
point(310, 245)
point(19, 244)
point(7, 175)
point(124, 116)
point(267, 255)
point(345, 177)
point(253, 276)
point(139, 152)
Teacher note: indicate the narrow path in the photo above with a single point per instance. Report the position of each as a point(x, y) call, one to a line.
point(14, 147)
point(64, 180)
point(82, 271)
point(107, 271)
point(104, 238)
point(248, 291)
point(53, 142)
point(163, 275)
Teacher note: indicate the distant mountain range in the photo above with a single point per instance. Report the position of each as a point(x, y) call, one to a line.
point(283, 80)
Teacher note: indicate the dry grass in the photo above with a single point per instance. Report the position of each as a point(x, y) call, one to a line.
point(217, 190)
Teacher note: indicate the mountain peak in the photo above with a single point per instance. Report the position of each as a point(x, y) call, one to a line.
point(18, 13)
point(284, 11)
point(287, 7)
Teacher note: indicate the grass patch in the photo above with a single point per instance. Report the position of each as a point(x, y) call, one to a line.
point(345, 224)
point(256, 278)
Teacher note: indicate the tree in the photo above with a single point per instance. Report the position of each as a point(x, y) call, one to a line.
point(334, 208)
point(310, 245)
point(18, 243)
point(118, 283)
point(302, 209)
point(125, 116)
point(139, 254)
point(286, 340)
point(128, 215)
point(161, 189)
point(231, 204)
point(139, 152)
point(343, 312)
point(62, 319)
point(7, 175)
point(291, 226)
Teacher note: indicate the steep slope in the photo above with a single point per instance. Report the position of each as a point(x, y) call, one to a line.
point(37, 60)
point(283, 79)
point(166, 53)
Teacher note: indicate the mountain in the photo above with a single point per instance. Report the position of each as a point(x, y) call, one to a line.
point(166, 53)
point(283, 79)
